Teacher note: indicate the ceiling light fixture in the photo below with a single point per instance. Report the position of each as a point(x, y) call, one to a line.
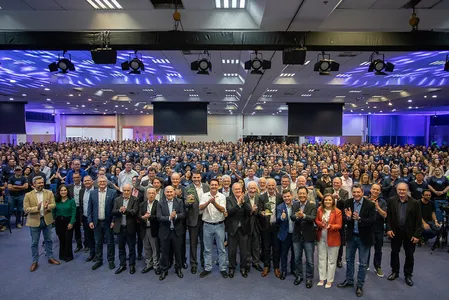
point(287, 75)
point(409, 100)
point(203, 64)
point(446, 64)
point(257, 64)
point(64, 64)
point(135, 64)
point(379, 65)
point(104, 4)
point(325, 65)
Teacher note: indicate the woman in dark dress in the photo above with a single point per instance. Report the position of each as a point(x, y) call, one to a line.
point(65, 216)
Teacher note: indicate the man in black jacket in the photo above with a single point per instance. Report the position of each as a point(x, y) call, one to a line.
point(404, 226)
point(149, 229)
point(359, 217)
point(238, 228)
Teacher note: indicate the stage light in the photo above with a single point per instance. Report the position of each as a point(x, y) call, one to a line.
point(202, 65)
point(325, 65)
point(257, 64)
point(64, 64)
point(378, 65)
point(135, 64)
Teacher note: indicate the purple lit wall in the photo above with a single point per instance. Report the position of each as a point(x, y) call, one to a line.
point(398, 129)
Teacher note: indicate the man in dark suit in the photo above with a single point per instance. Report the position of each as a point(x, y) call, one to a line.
point(304, 214)
point(360, 216)
point(84, 196)
point(340, 195)
point(140, 198)
point(254, 227)
point(170, 213)
point(74, 190)
point(149, 231)
point(125, 212)
point(101, 221)
point(404, 226)
point(179, 193)
point(194, 218)
point(238, 229)
point(284, 211)
point(267, 204)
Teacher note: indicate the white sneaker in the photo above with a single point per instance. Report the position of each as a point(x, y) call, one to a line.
point(320, 283)
point(328, 285)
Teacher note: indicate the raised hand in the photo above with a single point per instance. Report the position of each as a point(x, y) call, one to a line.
point(284, 215)
point(348, 212)
point(173, 215)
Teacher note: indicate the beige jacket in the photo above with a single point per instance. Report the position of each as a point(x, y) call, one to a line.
point(30, 206)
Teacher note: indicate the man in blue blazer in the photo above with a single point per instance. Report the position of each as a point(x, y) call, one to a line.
point(101, 221)
point(286, 227)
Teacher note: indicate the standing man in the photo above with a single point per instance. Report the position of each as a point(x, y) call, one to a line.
point(76, 168)
point(149, 230)
point(126, 176)
point(284, 211)
point(125, 211)
point(194, 220)
point(254, 227)
point(17, 185)
point(101, 221)
point(170, 213)
point(304, 236)
point(39, 204)
point(360, 216)
point(179, 193)
point(238, 228)
point(213, 205)
point(89, 239)
point(74, 189)
point(404, 226)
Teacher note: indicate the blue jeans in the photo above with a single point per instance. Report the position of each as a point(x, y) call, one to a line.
point(16, 202)
point(102, 232)
point(438, 211)
point(209, 233)
point(351, 247)
point(308, 248)
point(35, 236)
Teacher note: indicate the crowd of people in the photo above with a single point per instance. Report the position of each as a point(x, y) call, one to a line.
point(259, 201)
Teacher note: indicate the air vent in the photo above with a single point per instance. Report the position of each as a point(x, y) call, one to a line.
point(167, 4)
point(348, 54)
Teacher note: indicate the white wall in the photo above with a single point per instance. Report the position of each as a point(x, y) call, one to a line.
point(40, 128)
point(91, 133)
point(226, 128)
point(265, 125)
point(353, 125)
point(127, 134)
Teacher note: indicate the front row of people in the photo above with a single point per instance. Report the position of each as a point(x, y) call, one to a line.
point(276, 220)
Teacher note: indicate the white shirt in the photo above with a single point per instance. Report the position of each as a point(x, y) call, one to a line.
point(199, 191)
point(149, 208)
point(347, 185)
point(76, 194)
point(211, 214)
point(225, 192)
point(86, 201)
point(291, 225)
point(40, 200)
point(126, 178)
point(101, 205)
point(252, 200)
point(272, 203)
point(248, 180)
point(125, 204)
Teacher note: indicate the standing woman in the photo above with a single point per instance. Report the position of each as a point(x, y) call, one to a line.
point(329, 222)
point(65, 216)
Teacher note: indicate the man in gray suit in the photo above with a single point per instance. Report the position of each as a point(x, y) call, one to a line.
point(254, 233)
point(340, 195)
point(194, 220)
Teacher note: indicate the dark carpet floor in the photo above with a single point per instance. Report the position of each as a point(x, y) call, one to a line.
point(76, 280)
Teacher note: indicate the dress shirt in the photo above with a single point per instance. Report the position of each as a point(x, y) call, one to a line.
point(149, 208)
point(357, 207)
point(227, 192)
point(199, 191)
point(126, 178)
point(158, 195)
point(101, 205)
point(248, 180)
point(125, 204)
point(40, 200)
point(76, 194)
point(346, 184)
point(291, 225)
point(252, 200)
point(86, 201)
point(211, 214)
point(272, 204)
point(402, 209)
point(170, 209)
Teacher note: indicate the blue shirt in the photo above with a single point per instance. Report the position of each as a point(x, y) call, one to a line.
point(357, 207)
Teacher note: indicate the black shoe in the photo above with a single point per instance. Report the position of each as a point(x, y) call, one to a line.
point(408, 280)
point(111, 265)
point(120, 269)
point(86, 249)
point(298, 280)
point(345, 284)
point(244, 273)
point(146, 270)
point(139, 257)
point(90, 258)
point(257, 267)
point(185, 266)
point(308, 283)
point(132, 269)
point(179, 273)
point(359, 292)
point(339, 264)
point(283, 275)
point(224, 274)
point(77, 249)
point(193, 270)
point(231, 273)
point(163, 275)
point(204, 273)
point(97, 265)
point(157, 271)
point(393, 276)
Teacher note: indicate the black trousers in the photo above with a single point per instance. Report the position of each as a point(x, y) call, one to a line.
point(378, 244)
point(77, 229)
point(139, 240)
point(65, 238)
point(126, 238)
point(195, 235)
point(342, 243)
point(89, 237)
point(171, 244)
point(284, 247)
point(254, 247)
point(271, 249)
point(240, 240)
point(401, 240)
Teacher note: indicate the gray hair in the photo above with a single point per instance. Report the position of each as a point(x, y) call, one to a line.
point(226, 177)
point(37, 178)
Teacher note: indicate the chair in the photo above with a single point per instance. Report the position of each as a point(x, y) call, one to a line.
point(5, 216)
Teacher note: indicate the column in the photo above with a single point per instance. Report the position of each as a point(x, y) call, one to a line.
point(119, 128)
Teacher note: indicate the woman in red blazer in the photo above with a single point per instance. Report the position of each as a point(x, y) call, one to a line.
point(329, 222)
